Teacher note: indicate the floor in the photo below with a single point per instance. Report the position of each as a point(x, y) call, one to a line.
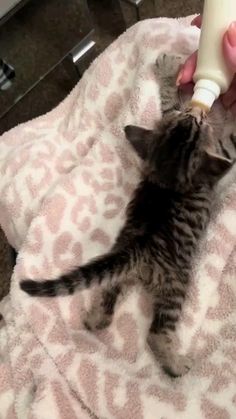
point(108, 23)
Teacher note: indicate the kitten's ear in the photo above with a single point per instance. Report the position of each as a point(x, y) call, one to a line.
point(215, 166)
point(139, 138)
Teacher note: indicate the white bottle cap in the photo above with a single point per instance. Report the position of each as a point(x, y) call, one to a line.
point(205, 93)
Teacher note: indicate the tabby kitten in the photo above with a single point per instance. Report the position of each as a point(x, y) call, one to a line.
point(169, 211)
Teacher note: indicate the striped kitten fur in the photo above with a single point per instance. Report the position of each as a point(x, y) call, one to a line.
point(165, 219)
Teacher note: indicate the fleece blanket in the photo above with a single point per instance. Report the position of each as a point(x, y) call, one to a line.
point(66, 178)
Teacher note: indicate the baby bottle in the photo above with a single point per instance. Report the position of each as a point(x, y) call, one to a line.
point(212, 76)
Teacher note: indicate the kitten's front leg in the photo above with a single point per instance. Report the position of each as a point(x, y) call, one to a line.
point(226, 147)
point(163, 342)
point(167, 68)
point(224, 138)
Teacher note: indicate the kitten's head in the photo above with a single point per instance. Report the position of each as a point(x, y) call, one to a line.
point(180, 153)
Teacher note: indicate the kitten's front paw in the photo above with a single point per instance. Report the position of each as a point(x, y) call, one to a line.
point(177, 365)
point(96, 320)
point(168, 65)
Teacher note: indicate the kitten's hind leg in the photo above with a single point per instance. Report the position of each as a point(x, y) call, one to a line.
point(101, 314)
point(163, 347)
point(163, 342)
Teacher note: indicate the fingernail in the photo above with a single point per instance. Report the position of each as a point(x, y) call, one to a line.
point(195, 21)
point(231, 34)
point(179, 77)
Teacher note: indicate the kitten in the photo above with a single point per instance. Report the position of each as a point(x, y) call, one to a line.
point(168, 213)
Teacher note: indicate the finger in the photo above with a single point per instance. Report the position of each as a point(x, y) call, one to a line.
point(229, 45)
point(197, 21)
point(230, 96)
point(187, 70)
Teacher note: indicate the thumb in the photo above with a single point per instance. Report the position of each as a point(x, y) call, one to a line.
point(186, 72)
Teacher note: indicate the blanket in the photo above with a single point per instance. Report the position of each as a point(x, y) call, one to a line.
point(66, 178)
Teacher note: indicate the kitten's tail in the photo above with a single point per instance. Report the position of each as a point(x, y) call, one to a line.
point(107, 267)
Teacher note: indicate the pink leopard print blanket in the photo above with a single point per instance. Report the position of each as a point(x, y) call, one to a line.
point(66, 178)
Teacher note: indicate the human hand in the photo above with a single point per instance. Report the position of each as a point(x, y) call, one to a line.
point(229, 49)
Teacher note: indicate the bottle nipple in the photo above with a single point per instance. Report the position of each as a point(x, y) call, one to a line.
point(202, 106)
point(205, 94)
